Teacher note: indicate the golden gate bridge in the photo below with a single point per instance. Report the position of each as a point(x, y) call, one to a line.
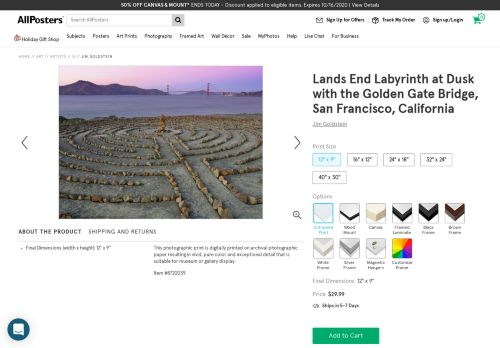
point(209, 89)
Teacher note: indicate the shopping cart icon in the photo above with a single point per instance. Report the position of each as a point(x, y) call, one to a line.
point(479, 18)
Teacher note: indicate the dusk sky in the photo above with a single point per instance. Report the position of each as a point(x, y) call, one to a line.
point(185, 78)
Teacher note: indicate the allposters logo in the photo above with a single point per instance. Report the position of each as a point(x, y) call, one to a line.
point(17, 38)
point(39, 20)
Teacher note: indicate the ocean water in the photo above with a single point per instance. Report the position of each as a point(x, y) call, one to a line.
point(87, 107)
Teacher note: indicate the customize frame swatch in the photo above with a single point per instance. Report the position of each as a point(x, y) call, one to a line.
point(402, 248)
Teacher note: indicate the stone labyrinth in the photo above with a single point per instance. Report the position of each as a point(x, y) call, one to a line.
point(200, 167)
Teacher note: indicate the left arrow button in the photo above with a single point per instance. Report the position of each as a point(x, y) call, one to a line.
point(23, 142)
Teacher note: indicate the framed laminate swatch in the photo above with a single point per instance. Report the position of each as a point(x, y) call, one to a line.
point(402, 212)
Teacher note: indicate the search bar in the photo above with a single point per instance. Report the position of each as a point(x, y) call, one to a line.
point(125, 20)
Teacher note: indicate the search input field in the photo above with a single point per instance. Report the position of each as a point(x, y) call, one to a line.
point(125, 20)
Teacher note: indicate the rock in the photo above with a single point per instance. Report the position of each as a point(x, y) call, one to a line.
point(96, 199)
point(217, 204)
point(145, 200)
point(226, 214)
point(130, 183)
point(127, 199)
point(252, 200)
point(242, 197)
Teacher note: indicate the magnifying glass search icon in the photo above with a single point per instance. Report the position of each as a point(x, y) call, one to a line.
point(177, 20)
point(296, 214)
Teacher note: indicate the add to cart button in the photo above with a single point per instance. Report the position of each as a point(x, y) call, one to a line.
point(346, 335)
